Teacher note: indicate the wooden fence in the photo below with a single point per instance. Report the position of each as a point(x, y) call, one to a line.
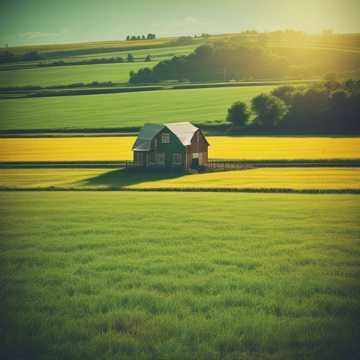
point(213, 164)
point(223, 165)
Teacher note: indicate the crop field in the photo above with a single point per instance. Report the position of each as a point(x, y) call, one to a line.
point(65, 75)
point(255, 179)
point(161, 53)
point(124, 110)
point(289, 148)
point(262, 178)
point(156, 53)
point(96, 46)
point(67, 149)
point(95, 275)
point(46, 178)
point(221, 147)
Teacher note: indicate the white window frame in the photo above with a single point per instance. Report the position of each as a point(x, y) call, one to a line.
point(160, 158)
point(177, 158)
point(165, 138)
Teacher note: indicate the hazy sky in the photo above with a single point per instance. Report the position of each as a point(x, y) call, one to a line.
point(48, 21)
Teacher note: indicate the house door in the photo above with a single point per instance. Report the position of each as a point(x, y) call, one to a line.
point(195, 161)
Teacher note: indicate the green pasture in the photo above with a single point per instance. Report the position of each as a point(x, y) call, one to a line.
point(341, 179)
point(179, 276)
point(124, 110)
point(65, 75)
point(156, 53)
point(93, 46)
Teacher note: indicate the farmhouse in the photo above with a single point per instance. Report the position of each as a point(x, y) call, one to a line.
point(180, 145)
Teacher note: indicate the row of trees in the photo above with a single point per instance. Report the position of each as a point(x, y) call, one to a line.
point(140, 37)
point(112, 60)
point(131, 58)
point(216, 62)
point(331, 106)
point(9, 57)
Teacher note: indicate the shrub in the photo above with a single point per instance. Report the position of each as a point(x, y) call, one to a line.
point(238, 114)
point(269, 110)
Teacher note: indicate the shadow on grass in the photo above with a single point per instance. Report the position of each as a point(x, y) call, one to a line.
point(118, 179)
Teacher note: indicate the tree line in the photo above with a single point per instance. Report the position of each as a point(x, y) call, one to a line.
point(216, 62)
point(112, 60)
point(9, 57)
point(331, 106)
point(140, 37)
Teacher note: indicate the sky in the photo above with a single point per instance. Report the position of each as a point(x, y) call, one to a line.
point(28, 22)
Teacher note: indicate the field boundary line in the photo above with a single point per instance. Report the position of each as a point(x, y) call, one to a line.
point(218, 190)
point(214, 165)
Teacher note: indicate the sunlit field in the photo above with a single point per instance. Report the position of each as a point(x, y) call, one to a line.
point(95, 275)
point(124, 110)
point(157, 54)
point(94, 45)
point(67, 149)
point(265, 178)
point(221, 147)
point(254, 179)
point(161, 53)
point(46, 178)
point(65, 75)
point(258, 148)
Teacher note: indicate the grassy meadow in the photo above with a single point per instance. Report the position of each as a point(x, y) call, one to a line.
point(62, 50)
point(65, 75)
point(124, 110)
point(221, 147)
point(139, 53)
point(161, 53)
point(274, 179)
point(95, 275)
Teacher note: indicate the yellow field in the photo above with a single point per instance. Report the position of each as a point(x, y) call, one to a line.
point(67, 149)
point(289, 148)
point(261, 178)
point(224, 147)
point(44, 178)
point(266, 178)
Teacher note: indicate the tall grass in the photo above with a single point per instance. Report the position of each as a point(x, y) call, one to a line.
point(205, 276)
point(123, 110)
point(65, 75)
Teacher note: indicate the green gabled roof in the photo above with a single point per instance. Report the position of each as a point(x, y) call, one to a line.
point(147, 133)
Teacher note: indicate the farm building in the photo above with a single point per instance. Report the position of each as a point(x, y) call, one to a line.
point(180, 145)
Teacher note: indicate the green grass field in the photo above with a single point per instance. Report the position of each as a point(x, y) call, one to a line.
point(123, 110)
point(65, 75)
point(156, 53)
point(274, 179)
point(109, 275)
point(94, 46)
